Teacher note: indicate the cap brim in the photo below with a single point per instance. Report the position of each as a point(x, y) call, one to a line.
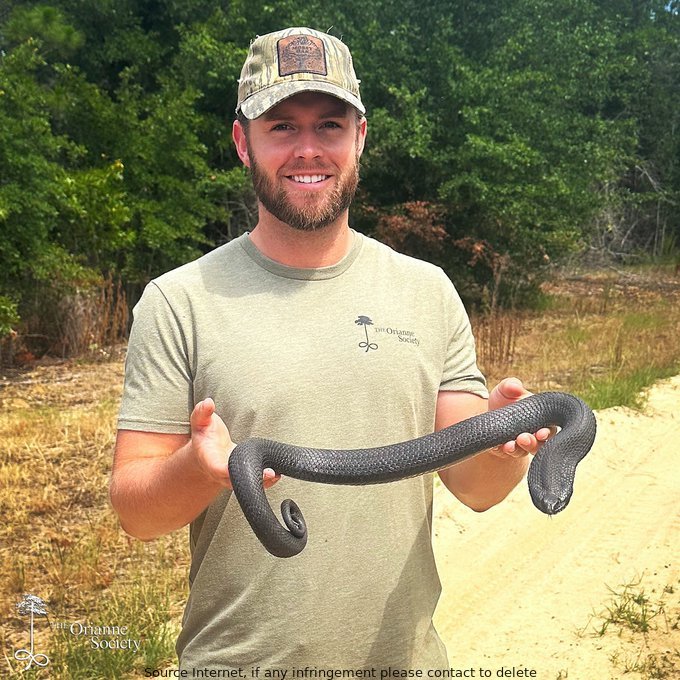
point(260, 102)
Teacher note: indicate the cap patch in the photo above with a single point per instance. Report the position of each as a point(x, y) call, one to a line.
point(301, 54)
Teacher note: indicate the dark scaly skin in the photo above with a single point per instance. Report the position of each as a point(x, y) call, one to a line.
point(550, 476)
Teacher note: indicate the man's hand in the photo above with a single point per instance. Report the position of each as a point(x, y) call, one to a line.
point(211, 444)
point(506, 392)
point(161, 482)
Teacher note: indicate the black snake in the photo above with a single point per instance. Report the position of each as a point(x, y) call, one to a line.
point(550, 476)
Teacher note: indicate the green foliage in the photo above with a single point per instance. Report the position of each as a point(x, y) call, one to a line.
point(530, 129)
point(517, 118)
point(9, 315)
point(48, 25)
point(94, 181)
point(34, 181)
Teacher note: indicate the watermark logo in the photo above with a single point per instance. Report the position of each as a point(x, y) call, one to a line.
point(33, 606)
point(104, 637)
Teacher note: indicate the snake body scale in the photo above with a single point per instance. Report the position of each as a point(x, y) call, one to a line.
point(550, 476)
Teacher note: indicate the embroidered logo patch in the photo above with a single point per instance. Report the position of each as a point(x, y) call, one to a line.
point(301, 54)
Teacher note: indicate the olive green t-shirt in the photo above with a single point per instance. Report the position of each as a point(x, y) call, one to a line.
point(347, 356)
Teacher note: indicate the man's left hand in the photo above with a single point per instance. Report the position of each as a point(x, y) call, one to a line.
point(506, 392)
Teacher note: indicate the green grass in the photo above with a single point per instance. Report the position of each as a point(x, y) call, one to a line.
point(144, 609)
point(623, 388)
point(638, 617)
point(601, 336)
point(630, 608)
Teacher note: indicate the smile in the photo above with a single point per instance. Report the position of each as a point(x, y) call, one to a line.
point(308, 179)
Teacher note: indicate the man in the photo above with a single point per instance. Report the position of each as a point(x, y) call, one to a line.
point(307, 332)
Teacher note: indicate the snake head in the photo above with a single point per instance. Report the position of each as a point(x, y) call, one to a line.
point(549, 503)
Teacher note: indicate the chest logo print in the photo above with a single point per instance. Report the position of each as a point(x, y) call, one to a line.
point(366, 322)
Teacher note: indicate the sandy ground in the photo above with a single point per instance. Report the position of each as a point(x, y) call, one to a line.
point(523, 590)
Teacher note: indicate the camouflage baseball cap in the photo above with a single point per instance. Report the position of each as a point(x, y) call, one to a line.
point(294, 60)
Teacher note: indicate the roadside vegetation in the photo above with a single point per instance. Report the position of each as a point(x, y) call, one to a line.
point(643, 618)
point(604, 336)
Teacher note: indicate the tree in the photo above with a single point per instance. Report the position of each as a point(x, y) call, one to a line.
point(502, 135)
point(504, 115)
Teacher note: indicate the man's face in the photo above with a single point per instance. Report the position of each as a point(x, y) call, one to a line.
point(304, 158)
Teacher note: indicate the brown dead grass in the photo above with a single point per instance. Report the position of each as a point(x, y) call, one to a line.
point(594, 326)
point(59, 538)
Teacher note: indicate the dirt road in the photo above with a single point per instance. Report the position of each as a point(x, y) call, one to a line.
point(523, 590)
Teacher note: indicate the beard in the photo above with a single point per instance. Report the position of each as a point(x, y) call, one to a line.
point(318, 211)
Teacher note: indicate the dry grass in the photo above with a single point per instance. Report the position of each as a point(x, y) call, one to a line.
point(60, 541)
point(603, 336)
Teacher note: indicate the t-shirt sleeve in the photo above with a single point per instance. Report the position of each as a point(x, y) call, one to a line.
point(158, 391)
point(461, 373)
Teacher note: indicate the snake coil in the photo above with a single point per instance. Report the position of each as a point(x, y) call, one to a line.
point(550, 476)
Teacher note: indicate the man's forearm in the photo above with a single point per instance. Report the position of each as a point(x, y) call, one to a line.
point(156, 495)
point(485, 480)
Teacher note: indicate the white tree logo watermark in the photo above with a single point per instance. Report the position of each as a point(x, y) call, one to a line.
point(35, 606)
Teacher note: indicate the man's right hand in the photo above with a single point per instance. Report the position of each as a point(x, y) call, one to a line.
point(161, 482)
point(212, 444)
